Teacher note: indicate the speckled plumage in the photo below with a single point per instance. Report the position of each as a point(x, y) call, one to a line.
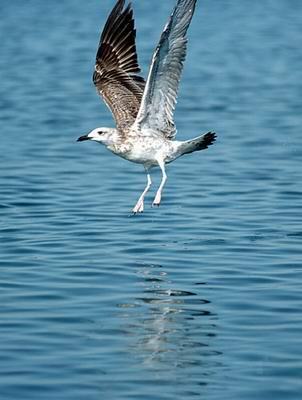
point(143, 111)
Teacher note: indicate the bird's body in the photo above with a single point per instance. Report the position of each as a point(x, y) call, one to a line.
point(143, 111)
point(142, 147)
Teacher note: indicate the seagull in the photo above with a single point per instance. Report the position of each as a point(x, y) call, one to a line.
point(143, 110)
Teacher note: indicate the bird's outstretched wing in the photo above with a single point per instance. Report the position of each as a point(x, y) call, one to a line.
point(159, 98)
point(116, 66)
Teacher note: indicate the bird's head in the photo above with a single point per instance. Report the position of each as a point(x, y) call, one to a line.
point(101, 135)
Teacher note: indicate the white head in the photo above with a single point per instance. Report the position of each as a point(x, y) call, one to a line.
point(101, 135)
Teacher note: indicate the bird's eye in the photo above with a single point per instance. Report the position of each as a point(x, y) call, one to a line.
point(100, 132)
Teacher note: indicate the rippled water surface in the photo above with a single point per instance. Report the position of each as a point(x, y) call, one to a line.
point(199, 299)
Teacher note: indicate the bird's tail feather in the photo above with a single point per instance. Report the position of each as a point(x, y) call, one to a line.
point(196, 144)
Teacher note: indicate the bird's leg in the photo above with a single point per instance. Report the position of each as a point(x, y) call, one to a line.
point(139, 206)
point(157, 199)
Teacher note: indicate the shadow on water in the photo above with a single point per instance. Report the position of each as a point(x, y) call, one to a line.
point(172, 329)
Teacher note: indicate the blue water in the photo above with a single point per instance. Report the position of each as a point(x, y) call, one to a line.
point(199, 299)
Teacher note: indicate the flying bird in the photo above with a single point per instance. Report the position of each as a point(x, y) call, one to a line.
point(143, 110)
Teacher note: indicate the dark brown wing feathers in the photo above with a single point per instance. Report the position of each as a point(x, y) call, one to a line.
point(116, 66)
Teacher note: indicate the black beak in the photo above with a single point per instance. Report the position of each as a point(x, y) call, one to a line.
point(82, 138)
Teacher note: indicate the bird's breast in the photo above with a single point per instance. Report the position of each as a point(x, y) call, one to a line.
point(141, 150)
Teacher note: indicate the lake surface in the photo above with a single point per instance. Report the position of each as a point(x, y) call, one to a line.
point(199, 299)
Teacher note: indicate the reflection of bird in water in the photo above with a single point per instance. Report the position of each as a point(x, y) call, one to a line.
point(143, 111)
point(172, 327)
